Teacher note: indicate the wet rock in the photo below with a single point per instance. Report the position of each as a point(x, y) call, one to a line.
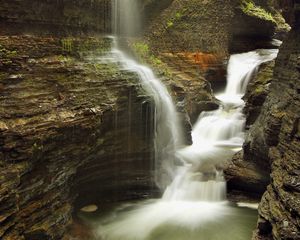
point(245, 177)
point(60, 132)
point(55, 16)
point(257, 92)
point(273, 141)
point(89, 208)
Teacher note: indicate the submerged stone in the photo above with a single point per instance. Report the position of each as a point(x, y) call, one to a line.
point(89, 208)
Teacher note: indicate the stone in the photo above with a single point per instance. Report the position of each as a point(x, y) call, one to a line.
point(245, 177)
point(89, 209)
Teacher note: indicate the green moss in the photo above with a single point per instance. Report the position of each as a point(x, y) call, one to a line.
point(259, 89)
point(7, 56)
point(249, 7)
point(170, 24)
point(144, 54)
point(65, 59)
point(67, 44)
point(177, 17)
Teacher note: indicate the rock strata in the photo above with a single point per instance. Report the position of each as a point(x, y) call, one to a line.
point(277, 132)
point(63, 16)
point(63, 113)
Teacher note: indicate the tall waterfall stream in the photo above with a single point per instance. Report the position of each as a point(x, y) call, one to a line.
point(193, 205)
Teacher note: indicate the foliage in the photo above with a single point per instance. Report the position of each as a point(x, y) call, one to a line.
point(176, 17)
point(170, 24)
point(143, 52)
point(251, 9)
point(6, 55)
point(67, 44)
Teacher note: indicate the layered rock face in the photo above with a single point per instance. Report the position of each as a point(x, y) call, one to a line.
point(243, 174)
point(76, 130)
point(63, 110)
point(56, 16)
point(216, 26)
point(274, 140)
point(196, 38)
point(270, 158)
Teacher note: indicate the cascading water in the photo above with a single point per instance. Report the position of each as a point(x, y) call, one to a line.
point(194, 204)
point(218, 134)
point(168, 130)
point(126, 18)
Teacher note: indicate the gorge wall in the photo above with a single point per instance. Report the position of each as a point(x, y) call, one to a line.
point(273, 141)
point(55, 16)
point(270, 158)
point(70, 126)
point(73, 130)
point(197, 37)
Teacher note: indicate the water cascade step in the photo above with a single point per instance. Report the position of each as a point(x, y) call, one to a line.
point(194, 204)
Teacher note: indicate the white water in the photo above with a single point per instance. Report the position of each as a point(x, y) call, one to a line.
point(217, 135)
point(168, 131)
point(167, 126)
point(126, 17)
point(196, 198)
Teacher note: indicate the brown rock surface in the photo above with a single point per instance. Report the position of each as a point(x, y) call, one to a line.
point(55, 16)
point(245, 177)
point(61, 110)
point(243, 174)
point(276, 131)
point(274, 141)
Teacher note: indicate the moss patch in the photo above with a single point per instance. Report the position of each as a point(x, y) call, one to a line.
point(143, 52)
point(249, 8)
point(7, 56)
point(177, 17)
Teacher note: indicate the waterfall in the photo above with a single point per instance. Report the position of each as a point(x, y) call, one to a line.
point(194, 205)
point(195, 198)
point(126, 20)
point(168, 133)
point(217, 135)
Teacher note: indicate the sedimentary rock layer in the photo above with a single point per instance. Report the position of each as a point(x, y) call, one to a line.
point(55, 16)
point(62, 109)
point(275, 138)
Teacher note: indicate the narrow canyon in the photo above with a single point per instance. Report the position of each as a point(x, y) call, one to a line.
point(149, 119)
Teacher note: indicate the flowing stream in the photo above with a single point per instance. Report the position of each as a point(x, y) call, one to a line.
point(194, 204)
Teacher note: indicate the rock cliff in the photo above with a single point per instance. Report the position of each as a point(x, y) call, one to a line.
point(272, 147)
point(67, 121)
point(274, 140)
point(55, 16)
point(196, 38)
